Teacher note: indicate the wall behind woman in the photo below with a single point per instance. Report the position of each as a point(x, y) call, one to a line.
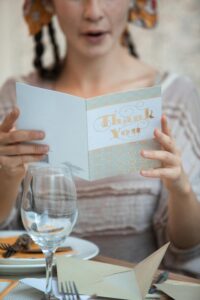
point(174, 45)
point(16, 46)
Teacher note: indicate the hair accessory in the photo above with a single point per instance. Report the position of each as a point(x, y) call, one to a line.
point(143, 13)
point(37, 14)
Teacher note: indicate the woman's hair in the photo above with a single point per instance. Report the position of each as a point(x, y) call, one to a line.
point(128, 42)
point(52, 73)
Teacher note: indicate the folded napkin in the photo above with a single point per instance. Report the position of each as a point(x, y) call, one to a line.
point(20, 292)
point(40, 284)
point(11, 240)
point(108, 280)
point(180, 290)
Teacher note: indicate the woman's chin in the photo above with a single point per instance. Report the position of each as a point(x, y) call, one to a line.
point(97, 52)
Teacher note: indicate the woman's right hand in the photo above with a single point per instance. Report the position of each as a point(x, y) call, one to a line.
point(15, 152)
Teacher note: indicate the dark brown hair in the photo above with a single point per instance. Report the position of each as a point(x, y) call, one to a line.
point(52, 72)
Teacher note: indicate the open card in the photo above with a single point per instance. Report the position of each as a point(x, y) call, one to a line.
point(108, 280)
point(98, 137)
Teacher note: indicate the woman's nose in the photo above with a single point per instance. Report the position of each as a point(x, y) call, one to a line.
point(93, 10)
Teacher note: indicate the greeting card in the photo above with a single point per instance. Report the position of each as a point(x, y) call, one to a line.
point(98, 137)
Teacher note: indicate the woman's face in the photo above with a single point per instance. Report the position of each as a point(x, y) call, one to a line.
point(92, 27)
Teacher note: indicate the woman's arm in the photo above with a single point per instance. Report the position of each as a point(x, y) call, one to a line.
point(183, 206)
point(14, 154)
point(184, 219)
point(9, 189)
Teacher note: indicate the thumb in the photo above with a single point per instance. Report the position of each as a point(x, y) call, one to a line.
point(9, 120)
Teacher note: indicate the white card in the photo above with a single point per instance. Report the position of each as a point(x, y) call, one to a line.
point(99, 137)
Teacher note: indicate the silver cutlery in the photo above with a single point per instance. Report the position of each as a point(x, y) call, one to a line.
point(22, 242)
point(69, 291)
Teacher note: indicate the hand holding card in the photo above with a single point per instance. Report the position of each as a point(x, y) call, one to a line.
point(98, 137)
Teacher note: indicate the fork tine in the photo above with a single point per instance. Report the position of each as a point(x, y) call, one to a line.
point(69, 291)
point(76, 291)
point(72, 291)
point(63, 292)
point(8, 248)
point(4, 246)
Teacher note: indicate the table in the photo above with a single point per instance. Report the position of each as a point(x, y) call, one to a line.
point(125, 264)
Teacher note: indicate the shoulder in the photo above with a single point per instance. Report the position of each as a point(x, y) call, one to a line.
point(179, 94)
point(9, 84)
point(181, 104)
point(8, 91)
point(177, 84)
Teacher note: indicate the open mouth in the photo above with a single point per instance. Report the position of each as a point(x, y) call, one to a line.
point(95, 34)
point(94, 37)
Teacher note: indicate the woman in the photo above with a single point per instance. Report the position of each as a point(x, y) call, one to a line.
point(127, 216)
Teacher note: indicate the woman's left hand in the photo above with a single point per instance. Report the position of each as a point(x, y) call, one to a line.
point(171, 172)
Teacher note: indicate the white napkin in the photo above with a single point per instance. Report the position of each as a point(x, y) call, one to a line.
point(179, 290)
point(40, 284)
point(107, 280)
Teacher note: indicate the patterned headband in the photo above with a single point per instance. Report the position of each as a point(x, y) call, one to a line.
point(38, 13)
point(143, 13)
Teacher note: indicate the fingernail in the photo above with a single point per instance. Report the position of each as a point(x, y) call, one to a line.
point(144, 152)
point(14, 111)
point(143, 172)
point(157, 131)
point(45, 148)
point(41, 134)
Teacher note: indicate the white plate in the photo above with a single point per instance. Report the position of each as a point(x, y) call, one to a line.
point(84, 249)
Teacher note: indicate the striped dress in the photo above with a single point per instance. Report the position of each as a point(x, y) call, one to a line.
point(127, 215)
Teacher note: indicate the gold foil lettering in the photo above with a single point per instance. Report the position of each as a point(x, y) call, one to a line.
point(115, 133)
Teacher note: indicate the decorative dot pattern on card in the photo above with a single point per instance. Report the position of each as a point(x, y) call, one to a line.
point(121, 159)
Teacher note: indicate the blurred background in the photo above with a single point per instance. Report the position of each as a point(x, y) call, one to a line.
point(174, 45)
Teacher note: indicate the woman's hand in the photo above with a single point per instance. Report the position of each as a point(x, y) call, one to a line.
point(14, 150)
point(171, 172)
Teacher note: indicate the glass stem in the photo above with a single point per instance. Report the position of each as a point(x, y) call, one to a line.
point(49, 264)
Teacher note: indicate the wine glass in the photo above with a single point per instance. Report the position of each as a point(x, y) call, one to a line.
point(49, 210)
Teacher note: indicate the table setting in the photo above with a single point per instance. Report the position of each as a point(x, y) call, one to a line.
point(23, 262)
point(49, 212)
point(103, 279)
point(73, 272)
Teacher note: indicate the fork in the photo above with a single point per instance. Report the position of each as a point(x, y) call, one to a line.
point(4, 246)
point(69, 291)
point(8, 248)
point(22, 242)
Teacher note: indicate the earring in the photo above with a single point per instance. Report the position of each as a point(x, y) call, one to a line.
point(37, 13)
point(143, 13)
